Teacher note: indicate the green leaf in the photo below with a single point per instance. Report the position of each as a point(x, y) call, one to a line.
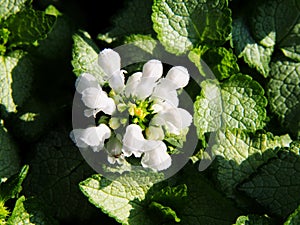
point(32, 120)
point(276, 186)
point(294, 218)
point(204, 204)
point(239, 153)
point(9, 158)
point(167, 199)
point(15, 80)
point(238, 102)
point(19, 215)
point(284, 93)
point(28, 26)
point(13, 186)
point(135, 18)
point(254, 220)
point(121, 197)
point(254, 54)
point(10, 7)
point(58, 44)
point(278, 21)
point(221, 61)
point(56, 168)
point(166, 211)
point(85, 56)
point(128, 198)
point(182, 25)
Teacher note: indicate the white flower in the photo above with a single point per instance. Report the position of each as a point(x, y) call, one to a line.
point(154, 152)
point(177, 77)
point(97, 100)
point(93, 96)
point(114, 151)
point(174, 119)
point(110, 62)
point(157, 159)
point(93, 137)
point(141, 85)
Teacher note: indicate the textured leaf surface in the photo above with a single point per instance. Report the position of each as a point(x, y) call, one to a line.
point(294, 218)
point(121, 198)
point(135, 18)
point(284, 93)
point(15, 80)
point(28, 26)
point(10, 7)
point(221, 61)
point(276, 186)
point(182, 25)
point(9, 158)
point(238, 102)
point(19, 215)
point(56, 169)
point(204, 205)
point(128, 200)
point(253, 53)
point(13, 186)
point(278, 22)
point(253, 220)
point(240, 153)
point(85, 56)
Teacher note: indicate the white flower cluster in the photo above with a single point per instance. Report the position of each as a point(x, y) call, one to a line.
point(151, 103)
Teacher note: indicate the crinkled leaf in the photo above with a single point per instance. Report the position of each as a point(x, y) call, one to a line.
point(276, 186)
point(238, 102)
point(276, 21)
point(121, 197)
point(239, 153)
point(32, 120)
point(294, 218)
point(254, 220)
point(253, 53)
point(15, 80)
point(135, 18)
point(166, 200)
point(9, 158)
point(13, 186)
point(204, 205)
point(182, 25)
point(56, 169)
point(28, 26)
point(27, 212)
point(85, 56)
point(221, 61)
point(10, 7)
point(128, 199)
point(19, 215)
point(284, 93)
point(165, 211)
point(58, 43)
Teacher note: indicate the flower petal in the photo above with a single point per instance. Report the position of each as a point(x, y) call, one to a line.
point(116, 81)
point(153, 68)
point(174, 119)
point(162, 93)
point(132, 83)
point(92, 136)
point(157, 159)
point(97, 99)
point(85, 81)
point(109, 61)
point(133, 141)
point(155, 133)
point(178, 76)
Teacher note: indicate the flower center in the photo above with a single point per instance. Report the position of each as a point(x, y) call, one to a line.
point(141, 113)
